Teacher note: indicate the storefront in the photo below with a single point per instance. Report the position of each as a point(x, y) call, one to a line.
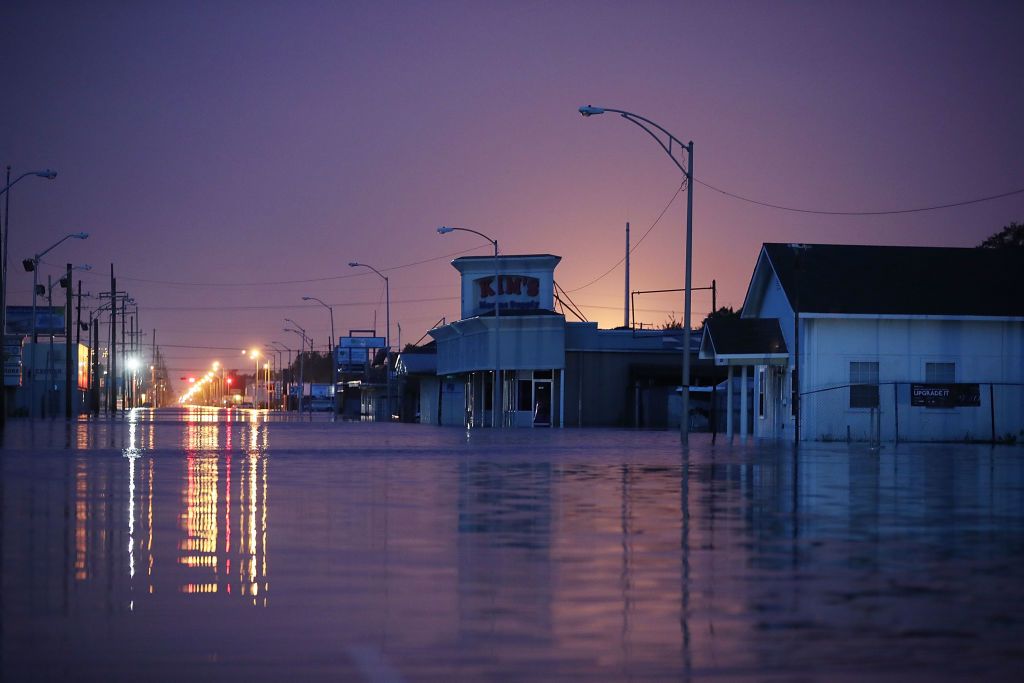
point(552, 373)
point(510, 331)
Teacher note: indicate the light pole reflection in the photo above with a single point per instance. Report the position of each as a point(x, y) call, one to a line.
point(224, 502)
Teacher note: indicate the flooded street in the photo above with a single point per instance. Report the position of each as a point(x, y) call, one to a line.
point(192, 546)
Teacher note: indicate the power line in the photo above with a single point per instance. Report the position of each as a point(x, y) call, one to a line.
point(888, 212)
point(271, 307)
point(181, 283)
point(634, 247)
point(820, 212)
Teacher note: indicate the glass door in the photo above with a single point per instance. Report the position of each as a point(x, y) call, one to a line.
point(542, 403)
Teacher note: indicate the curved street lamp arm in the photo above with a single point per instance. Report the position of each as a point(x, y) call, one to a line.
point(76, 235)
point(646, 124)
point(289, 320)
point(475, 232)
point(48, 174)
point(355, 264)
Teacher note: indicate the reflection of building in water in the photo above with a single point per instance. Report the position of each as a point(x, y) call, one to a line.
point(504, 525)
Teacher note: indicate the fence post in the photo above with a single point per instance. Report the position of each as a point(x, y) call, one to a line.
point(896, 410)
point(992, 409)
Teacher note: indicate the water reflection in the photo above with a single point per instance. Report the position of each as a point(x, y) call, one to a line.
point(575, 555)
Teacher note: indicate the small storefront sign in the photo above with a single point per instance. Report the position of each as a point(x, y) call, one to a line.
point(945, 395)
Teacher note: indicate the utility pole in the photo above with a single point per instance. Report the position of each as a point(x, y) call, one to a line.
point(3, 300)
point(94, 385)
point(68, 289)
point(123, 390)
point(625, 305)
point(112, 360)
point(78, 316)
point(152, 375)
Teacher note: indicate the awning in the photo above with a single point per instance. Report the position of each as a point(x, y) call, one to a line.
point(744, 341)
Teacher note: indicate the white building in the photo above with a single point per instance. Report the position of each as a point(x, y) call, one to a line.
point(895, 343)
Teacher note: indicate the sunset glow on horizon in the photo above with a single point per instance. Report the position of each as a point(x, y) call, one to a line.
point(229, 161)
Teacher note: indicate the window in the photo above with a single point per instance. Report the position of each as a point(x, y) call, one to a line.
point(940, 373)
point(760, 393)
point(863, 384)
point(525, 395)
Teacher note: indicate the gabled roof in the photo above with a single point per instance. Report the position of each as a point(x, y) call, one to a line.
point(746, 337)
point(938, 281)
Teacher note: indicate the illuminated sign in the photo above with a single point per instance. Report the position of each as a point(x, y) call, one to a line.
point(83, 367)
point(512, 292)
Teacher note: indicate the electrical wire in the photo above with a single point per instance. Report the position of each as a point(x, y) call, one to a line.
point(181, 283)
point(272, 307)
point(888, 212)
point(634, 247)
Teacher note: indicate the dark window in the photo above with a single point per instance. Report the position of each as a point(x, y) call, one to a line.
point(863, 384)
point(542, 374)
point(760, 392)
point(525, 398)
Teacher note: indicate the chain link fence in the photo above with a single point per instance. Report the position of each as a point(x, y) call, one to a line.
point(910, 411)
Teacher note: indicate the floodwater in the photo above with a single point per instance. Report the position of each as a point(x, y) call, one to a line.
point(193, 547)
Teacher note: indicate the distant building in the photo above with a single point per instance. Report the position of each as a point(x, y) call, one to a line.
point(895, 343)
point(553, 372)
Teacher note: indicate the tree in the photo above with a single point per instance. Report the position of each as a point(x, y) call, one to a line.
point(672, 323)
point(722, 312)
point(1011, 235)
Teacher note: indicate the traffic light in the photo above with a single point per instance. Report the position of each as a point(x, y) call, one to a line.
point(64, 282)
point(29, 265)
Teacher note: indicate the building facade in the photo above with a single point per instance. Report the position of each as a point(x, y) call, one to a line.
point(552, 373)
point(894, 343)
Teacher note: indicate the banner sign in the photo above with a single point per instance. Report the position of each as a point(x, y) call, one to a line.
point(49, 320)
point(945, 395)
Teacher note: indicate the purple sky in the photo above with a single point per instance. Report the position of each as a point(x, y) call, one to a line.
point(231, 143)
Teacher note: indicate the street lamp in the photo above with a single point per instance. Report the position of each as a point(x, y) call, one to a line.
point(254, 355)
point(32, 265)
point(275, 355)
point(668, 144)
point(497, 403)
point(281, 347)
point(132, 365)
point(387, 333)
point(49, 175)
point(302, 349)
point(330, 348)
